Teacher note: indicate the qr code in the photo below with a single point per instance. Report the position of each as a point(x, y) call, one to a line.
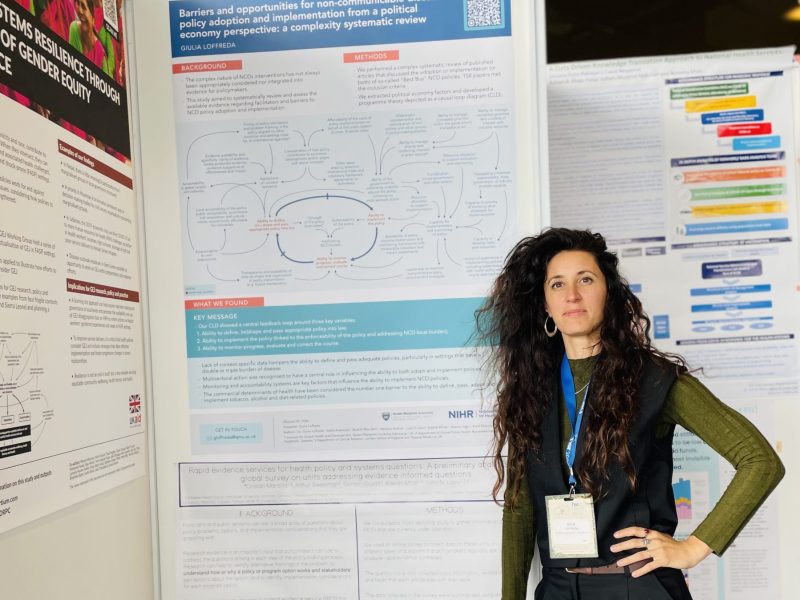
point(110, 16)
point(484, 13)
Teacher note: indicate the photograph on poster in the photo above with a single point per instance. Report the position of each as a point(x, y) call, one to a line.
point(65, 60)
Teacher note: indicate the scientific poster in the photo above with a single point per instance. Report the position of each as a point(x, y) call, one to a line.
point(71, 366)
point(347, 195)
point(688, 166)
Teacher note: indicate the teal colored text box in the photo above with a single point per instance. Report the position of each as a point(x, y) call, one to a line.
point(317, 328)
point(757, 143)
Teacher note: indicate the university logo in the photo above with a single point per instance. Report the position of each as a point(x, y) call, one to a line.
point(134, 410)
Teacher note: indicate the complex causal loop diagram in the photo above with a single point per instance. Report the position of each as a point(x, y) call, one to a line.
point(24, 408)
point(401, 196)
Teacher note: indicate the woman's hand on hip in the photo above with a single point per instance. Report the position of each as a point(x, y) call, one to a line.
point(663, 550)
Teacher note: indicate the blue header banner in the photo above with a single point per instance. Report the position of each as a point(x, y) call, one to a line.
point(203, 27)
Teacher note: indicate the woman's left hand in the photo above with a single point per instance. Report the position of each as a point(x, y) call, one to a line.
point(664, 550)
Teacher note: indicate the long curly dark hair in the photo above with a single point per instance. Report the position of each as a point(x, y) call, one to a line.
point(522, 361)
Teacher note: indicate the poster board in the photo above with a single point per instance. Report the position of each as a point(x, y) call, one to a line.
point(205, 442)
point(690, 163)
point(73, 428)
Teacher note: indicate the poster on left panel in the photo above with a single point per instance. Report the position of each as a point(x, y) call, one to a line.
point(71, 365)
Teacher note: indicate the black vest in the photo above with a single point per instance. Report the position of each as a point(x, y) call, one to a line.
point(652, 505)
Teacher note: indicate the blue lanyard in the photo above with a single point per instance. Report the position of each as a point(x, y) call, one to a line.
point(568, 387)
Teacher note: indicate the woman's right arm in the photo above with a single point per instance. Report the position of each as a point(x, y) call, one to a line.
point(519, 542)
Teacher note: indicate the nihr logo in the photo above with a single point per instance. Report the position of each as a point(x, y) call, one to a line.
point(460, 414)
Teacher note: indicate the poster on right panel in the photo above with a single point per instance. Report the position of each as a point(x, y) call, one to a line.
point(687, 165)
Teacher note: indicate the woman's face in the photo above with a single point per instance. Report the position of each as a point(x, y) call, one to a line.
point(575, 294)
point(84, 13)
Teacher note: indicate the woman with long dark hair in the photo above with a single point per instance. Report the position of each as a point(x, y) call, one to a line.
point(585, 410)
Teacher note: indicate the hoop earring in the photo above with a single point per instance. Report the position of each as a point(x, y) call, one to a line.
point(555, 327)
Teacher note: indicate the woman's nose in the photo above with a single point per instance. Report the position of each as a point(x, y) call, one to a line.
point(573, 293)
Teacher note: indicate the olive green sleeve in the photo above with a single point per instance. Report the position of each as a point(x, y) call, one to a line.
point(758, 469)
point(519, 541)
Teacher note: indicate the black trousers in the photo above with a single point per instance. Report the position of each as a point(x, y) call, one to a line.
point(661, 584)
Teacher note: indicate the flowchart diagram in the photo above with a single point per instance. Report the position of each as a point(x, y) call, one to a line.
point(738, 187)
point(366, 200)
point(24, 409)
point(730, 173)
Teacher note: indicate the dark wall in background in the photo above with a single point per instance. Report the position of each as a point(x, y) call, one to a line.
point(593, 29)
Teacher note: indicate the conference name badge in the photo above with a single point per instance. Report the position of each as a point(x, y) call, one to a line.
point(570, 526)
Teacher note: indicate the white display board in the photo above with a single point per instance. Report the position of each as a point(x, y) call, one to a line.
point(688, 166)
point(343, 201)
point(71, 359)
point(74, 505)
